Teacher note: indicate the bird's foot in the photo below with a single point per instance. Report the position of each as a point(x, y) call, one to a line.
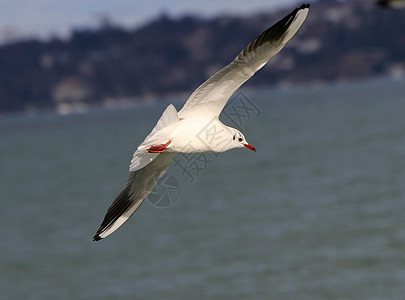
point(159, 149)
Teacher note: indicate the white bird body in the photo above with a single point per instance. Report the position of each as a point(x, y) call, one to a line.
point(201, 140)
point(196, 128)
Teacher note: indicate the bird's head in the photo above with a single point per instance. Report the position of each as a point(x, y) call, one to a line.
point(239, 141)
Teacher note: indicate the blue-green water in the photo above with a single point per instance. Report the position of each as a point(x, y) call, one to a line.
point(317, 213)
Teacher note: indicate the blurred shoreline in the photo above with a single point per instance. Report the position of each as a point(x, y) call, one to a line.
point(180, 98)
point(113, 66)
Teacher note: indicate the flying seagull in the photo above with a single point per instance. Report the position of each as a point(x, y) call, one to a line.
point(393, 4)
point(178, 132)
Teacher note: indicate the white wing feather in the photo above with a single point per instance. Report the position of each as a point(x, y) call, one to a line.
point(210, 98)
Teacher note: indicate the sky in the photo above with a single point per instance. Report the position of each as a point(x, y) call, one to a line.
point(42, 18)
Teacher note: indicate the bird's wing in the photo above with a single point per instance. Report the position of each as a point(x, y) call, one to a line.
point(210, 98)
point(139, 184)
point(166, 124)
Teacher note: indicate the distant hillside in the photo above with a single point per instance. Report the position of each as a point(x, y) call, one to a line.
point(340, 40)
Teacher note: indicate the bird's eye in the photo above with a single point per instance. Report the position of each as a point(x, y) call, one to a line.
point(240, 139)
point(234, 137)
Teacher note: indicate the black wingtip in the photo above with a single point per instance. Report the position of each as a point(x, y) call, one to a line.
point(295, 11)
point(97, 238)
point(274, 33)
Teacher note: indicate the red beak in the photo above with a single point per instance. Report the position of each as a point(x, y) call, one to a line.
point(249, 146)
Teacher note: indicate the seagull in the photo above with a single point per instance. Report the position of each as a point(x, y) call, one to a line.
point(183, 131)
point(393, 4)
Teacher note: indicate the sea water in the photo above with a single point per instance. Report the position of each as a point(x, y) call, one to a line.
point(318, 212)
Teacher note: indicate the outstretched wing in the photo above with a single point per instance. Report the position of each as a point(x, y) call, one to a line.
point(139, 184)
point(210, 98)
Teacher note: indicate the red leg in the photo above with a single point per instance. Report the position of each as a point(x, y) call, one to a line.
point(159, 149)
